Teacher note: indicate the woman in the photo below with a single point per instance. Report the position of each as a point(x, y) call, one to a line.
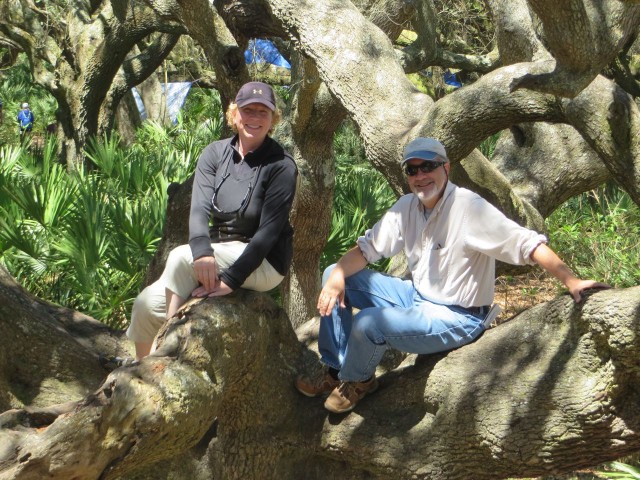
point(245, 185)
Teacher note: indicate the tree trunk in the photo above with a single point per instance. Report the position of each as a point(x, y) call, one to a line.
point(155, 100)
point(127, 118)
point(549, 392)
point(316, 116)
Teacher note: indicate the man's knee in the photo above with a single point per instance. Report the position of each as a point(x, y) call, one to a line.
point(365, 326)
point(327, 272)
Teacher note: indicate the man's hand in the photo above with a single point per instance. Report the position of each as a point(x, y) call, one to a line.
point(549, 260)
point(331, 293)
point(577, 286)
point(206, 270)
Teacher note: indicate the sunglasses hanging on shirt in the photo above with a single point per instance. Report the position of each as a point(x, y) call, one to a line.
point(245, 200)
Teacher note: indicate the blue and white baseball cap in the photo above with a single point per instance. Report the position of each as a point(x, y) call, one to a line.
point(424, 148)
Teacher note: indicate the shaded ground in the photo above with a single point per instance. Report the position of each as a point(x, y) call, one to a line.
point(516, 294)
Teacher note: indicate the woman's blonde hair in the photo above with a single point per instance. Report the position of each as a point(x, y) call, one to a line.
point(233, 108)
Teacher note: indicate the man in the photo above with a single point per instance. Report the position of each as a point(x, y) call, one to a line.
point(25, 119)
point(451, 237)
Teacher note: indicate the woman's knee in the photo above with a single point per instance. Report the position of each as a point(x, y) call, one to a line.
point(147, 314)
point(179, 257)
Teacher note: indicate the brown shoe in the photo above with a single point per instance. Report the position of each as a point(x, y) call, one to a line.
point(319, 384)
point(346, 395)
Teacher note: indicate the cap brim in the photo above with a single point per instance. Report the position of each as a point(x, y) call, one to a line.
point(261, 101)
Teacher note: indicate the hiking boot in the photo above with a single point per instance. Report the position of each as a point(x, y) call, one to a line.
point(346, 395)
point(319, 384)
point(111, 362)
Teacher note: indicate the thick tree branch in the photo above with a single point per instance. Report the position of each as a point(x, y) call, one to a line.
point(224, 53)
point(515, 34)
point(609, 120)
point(358, 63)
point(138, 68)
point(488, 98)
point(548, 392)
point(546, 164)
point(605, 26)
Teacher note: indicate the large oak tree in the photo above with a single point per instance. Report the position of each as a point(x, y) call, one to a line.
point(551, 391)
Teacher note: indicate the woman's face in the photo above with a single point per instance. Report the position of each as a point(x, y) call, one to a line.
point(253, 121)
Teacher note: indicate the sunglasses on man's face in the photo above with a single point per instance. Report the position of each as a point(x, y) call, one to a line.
point(424, 167)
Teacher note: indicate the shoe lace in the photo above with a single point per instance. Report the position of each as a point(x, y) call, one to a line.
point(349, 390)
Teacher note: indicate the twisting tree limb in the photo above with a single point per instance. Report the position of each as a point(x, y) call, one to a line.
point(548, 392)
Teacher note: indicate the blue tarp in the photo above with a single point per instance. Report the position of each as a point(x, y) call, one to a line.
point(451, 79)
point(264, 51)
point(176, 94)
point(259, 51)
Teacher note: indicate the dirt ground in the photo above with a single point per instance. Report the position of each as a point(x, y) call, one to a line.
point(518, 293)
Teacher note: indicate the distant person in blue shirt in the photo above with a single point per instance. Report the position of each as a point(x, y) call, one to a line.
point(25, 119)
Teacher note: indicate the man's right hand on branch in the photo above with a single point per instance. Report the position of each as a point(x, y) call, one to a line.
point(332, 293)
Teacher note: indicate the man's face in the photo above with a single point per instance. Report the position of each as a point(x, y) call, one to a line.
point(429, 187)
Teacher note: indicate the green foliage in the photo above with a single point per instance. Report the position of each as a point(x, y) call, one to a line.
point(598, 234)
point(361, 196)
point(85, 239)
point(16, 86)
point(488, 145)
point(621, 471)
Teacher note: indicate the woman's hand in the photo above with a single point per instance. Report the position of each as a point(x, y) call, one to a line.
point(220, 290)
point(206, 270)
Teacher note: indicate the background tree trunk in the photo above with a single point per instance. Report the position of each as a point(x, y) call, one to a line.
point(87, 56)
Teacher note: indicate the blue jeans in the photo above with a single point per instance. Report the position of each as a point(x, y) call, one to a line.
point(392, 315)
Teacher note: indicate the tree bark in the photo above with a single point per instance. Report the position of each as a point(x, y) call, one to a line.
point(315, 115)
point(549, 392)
point(49, 354)
point(547, 164)
point(606, 26)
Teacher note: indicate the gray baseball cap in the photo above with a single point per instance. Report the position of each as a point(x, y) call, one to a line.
point(424, 148)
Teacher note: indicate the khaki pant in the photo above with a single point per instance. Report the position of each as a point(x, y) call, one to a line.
point(149, 308)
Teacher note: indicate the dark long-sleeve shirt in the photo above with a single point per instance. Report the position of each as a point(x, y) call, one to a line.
point(248, 199)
